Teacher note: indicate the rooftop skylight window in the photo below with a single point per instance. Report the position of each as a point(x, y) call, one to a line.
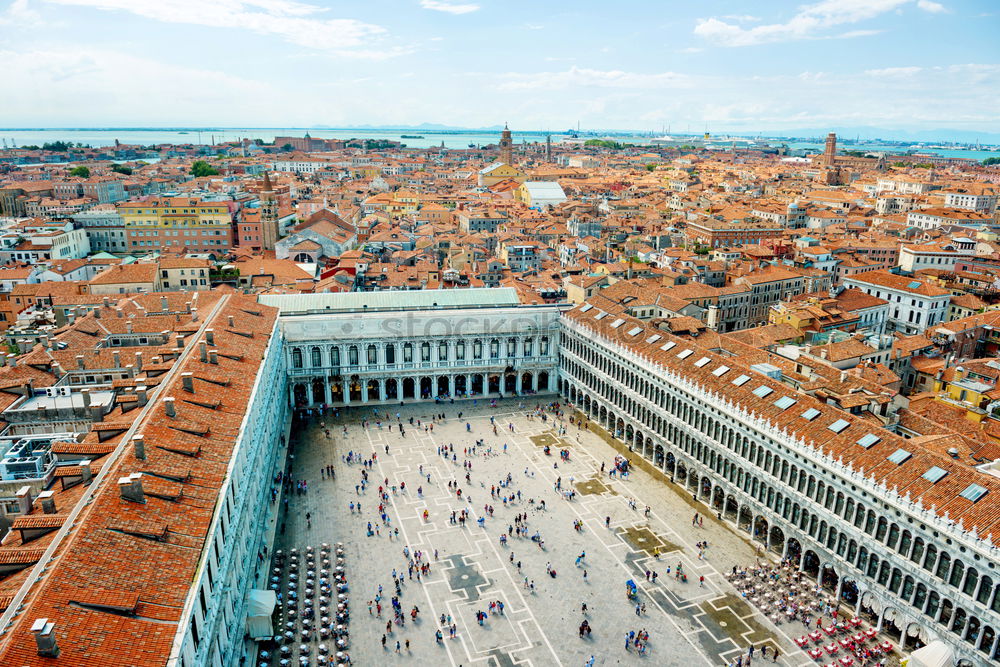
point(868, 440)
point(785, 402)
point(684, 354)
point(974, 492)
point(720, 371)
point(839, 425)
point(741, 380)
point(900, 456)
point(634, 330)
point(810, 414)
point(654, 338)
point(701, 362)
point(617, 323)
point(935, 475)
point(762, 391)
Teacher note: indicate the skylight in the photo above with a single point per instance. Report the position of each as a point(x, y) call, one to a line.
point(935, 475)
point(868, 440)
point(973, 492)
point(810, 414)
point(669, 345)
point(684, 354)
point(654, 338)
point(785, 402)
point(762, 391)
point(634, 330)
point(915, 284)
point(839, 425)
point(720, 371)
point(617, 323)
point(600, 316)
point(741, 380)
point(585, 307)
point(899, 457)
point(701, 362)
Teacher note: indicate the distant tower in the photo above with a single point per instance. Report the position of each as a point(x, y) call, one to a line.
point(548, 148)
point(506, 146)
point(268, 215)
point(830, 154)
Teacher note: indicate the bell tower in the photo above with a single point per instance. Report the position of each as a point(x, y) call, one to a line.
point(268, 214)
point(506, 146)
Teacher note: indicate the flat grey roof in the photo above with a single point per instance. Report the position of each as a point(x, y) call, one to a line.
point(391, 300)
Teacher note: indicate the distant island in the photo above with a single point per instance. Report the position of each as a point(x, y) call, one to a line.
point(411, 136)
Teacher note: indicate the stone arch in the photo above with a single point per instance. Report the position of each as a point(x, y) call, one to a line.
point(443, 386)
point(318, 391)
point(543, 381)
point(718, 499)
point(829, 578)
point(810, 563)
point(776, 540)
point(426, 387)
point(794, 551)
point(745, 521)
point(391, 389)
point(409, 388)
point(373, 390)
point(527, 383)
point(299, 395)
point(477, 384)
point(732, 509)
point(760, 529)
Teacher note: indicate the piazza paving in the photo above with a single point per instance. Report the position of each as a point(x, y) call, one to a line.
point(688, 624)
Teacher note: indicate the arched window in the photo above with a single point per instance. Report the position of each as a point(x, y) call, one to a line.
point(544, 348)
point(316, 357)
point(528, 345)
point(494, 348)
point(390, 354)
point(352, 355)
point(477, 349)
point(296, 358)
point(443, 351)
point(372, 355)
point(511, 347)
point(425, 351)
point(334, 356)
point(460, 350)
point(407, 353)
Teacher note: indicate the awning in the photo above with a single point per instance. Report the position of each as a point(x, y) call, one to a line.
point(259, 609)
point(935, 654)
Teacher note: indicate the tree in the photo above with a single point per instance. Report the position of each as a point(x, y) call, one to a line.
point(201, 168)
point(650, 167)
point(81, 171)
point(57, 146)
point(121, 169)
point(991, 160)
point(287, 148)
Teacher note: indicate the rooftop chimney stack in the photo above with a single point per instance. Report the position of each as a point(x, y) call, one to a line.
point(45, 638)
point(139, 447)
point(86, 473)
point(188, 380)
point(210, 336)
point(179, 338)
point(203, 351)
point(163, 303)
point(194, 314)
point(79, 362)
point(11, 360)
point(138, 361)
point(232, 322)
point(106, 301)
point(187, 306)
point(168, 406)
point(47, 501)
point(57, 369)
point(24, 500)
point(116, 355)
point(213, 357)
point(119, 312)
point(131, 488)
point(141, 394)
point(128, 327)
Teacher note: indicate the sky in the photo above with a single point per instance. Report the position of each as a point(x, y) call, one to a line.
point(717, 65)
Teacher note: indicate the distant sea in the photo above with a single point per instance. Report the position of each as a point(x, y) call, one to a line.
point(427, 138)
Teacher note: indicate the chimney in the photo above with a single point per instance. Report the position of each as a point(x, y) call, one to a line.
point(131, 488)
point(168, 406)
point(79, 362)
point(163, 303)
point(129, 370)
point(119, 313)
point(57, 369)
point(128, 327)
point(203, 351)
point(24, 499)
point(213, 356)
point(139, 447)
point(86, 472)
point(194, 314)
point(210, 336)
point(45, 638)
point(44, 340)
point(140, 393)
point(47, 501)
point(187, 306)
point(11, 360)
point(97, 311)
point(188, 380)
point(116, 355)
point(179, 339)
point(232, 322)
point(138, 361)
point(85, 394)
point(843, 376)
point(106, 302)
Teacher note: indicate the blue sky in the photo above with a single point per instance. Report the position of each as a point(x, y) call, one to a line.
point(726, 66)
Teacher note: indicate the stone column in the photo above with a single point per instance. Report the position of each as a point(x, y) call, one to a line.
point(881, 619)
point(327, 396)
point(381, 390)
point(364, 390)
point(346, 389)
point(517, 382)
point(451, 385)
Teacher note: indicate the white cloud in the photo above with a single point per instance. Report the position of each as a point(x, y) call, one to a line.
point(19, 13)
point(932, 7)
point(449, 7)
point(893, 71)
point(576, 77)
point(810, 22)
point(296, 22)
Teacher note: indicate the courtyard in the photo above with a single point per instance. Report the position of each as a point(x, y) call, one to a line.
point(605, 519)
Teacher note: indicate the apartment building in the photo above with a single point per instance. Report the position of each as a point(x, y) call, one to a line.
point(178, 223)
point(914, 305)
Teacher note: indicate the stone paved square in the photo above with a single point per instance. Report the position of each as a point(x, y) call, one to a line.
point(688, 624)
